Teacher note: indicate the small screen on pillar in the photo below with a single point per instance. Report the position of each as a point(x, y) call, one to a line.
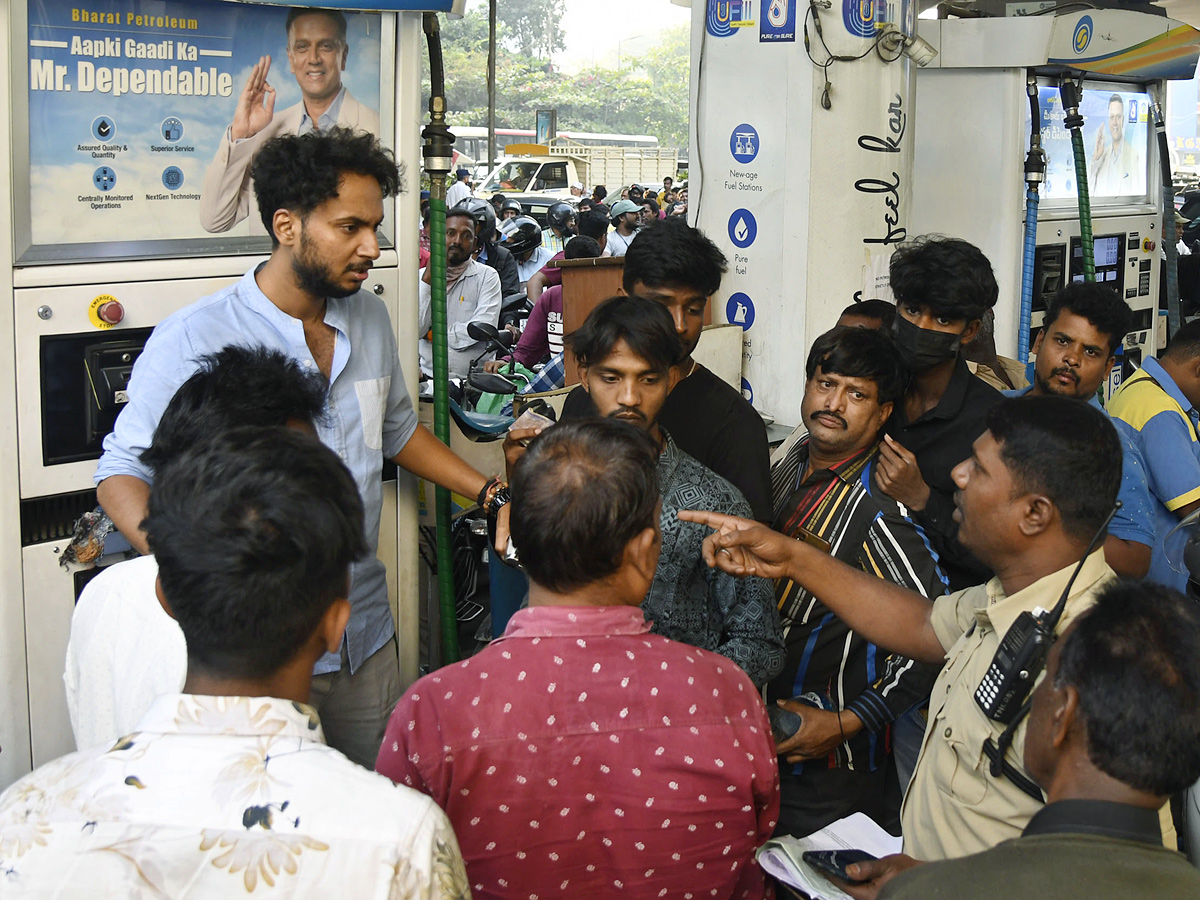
point(1116, 144)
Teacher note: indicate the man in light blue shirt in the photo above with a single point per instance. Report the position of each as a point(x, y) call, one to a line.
point(1158, 403)
point(1084, 325)
point(320, 196)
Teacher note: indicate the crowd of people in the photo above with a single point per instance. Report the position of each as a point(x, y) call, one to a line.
point(722, 641)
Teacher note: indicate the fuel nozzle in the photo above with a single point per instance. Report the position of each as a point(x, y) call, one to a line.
point(438, 149)
point(1070, 102)
point(1035, 159)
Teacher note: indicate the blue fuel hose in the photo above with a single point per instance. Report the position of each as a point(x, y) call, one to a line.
point(1026, 323)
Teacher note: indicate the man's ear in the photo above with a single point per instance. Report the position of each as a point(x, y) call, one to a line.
point(642, 553)
point(1108, 366)
point(1037, 342)
point(971, 331)
point(583, 380)
point(885, 412)
point(1065, 716)
point(674, 376)
point(345, 53)
point(1038, 514)
point(333, 624)
point(287, 227)
point(162, 598)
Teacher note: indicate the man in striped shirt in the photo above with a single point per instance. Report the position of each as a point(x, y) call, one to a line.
point(845, 689)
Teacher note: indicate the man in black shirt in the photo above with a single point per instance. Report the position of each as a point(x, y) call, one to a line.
point(942, 287)
point(678, 266)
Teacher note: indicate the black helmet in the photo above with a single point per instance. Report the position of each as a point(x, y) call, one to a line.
point(521, 234)
point(483, 214)
point(559, 216)
point(514, 205)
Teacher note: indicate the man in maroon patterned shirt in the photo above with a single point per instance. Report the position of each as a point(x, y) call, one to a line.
point(579, 755)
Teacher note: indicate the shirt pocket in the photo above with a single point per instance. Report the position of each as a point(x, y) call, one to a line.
point(372, 401)
point(961, 771)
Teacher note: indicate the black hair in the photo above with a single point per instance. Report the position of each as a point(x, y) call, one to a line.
point(580, 493)
point(235, 387)
point(1116, 98)
point(581, 208)
point(254, 532)
point(592, 223)
point(671, 254)
point(1099, 304)
point(667, 178)
point(879, 310)
point(299, 172)
point(1134, 658)
point(645, 326)
point(860, 353)
point(636, 189)
point(1185, 343)
point(599, 192)
point(296, 12)
point(581, 247)
point(951, 277)
point(650, 202)
point(1064, 449)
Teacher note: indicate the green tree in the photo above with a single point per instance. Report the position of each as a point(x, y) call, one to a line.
point(532, 25)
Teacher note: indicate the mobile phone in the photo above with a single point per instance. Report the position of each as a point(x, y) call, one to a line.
point(834, 862)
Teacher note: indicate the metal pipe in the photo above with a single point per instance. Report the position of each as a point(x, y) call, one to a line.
point(491, 85)
point(437, 151)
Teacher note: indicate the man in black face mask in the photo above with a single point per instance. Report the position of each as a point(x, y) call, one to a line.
point(943, 286)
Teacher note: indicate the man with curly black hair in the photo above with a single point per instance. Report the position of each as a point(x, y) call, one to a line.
point(321, 197)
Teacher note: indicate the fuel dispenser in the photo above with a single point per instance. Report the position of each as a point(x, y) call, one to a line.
point(112, 118)
point(990, 78)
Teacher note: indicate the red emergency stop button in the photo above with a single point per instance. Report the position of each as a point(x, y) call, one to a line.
point(111, 312)
point(1147, 245)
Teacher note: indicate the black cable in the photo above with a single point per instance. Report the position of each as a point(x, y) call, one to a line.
point(826, 101)
point(1082, 4)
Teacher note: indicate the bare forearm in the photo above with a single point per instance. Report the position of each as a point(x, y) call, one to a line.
point(427, 457)
point(893, 617)
point(126, 498)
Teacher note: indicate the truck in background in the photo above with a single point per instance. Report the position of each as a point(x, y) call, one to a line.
point(551, 169)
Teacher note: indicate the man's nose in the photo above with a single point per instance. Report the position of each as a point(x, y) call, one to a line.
point(628, 394)
point(959, 474)
point(369, 247)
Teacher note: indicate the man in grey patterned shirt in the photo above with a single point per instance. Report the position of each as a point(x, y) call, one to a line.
point(628, 355)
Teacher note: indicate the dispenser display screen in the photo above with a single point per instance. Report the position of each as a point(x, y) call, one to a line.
point(1116, 142)
point(1108, 253)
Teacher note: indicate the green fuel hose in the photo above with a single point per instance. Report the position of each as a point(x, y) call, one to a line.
point(1074, 122)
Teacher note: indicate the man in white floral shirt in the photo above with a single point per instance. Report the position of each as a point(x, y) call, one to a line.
point(229, 788)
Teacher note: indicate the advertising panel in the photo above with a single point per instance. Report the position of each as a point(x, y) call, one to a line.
point(144, 116)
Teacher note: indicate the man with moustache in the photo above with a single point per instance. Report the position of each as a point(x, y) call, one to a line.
point(629, 353)
point(472, 295)
point(846, 690)
point(1076, 348)
point(316, 53)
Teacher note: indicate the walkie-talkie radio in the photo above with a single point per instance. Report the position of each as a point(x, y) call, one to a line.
point(1015, 667)
point(1022, 653)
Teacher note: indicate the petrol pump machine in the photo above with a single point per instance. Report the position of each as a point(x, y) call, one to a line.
point(126, 204)
point(990, 78)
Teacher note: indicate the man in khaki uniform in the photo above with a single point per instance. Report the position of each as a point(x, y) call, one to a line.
point(1039, 484)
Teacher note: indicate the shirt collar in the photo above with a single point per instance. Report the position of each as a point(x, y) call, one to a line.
point(335, 307)
point(1154, 369)
point(956, 393)
point(668, 460)
point(1099, 817)
point(1002, 610)
point(233, 716)
point(848, 469)
point(327, 119)
point(576, 621)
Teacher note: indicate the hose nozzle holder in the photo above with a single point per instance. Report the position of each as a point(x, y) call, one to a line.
point(1070, 102)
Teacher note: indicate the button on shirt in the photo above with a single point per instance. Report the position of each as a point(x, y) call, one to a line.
point(1134, 521)
point(580, 756)
point(368, 413)
point(222, 797)
point(954, 805)
point(1163, 424)
point(474, 297)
